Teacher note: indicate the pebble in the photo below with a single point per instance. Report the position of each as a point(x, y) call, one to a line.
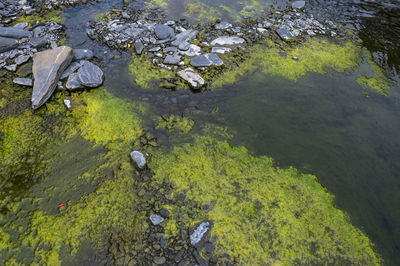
point(199, 232)
point(138, 158)
point(159, 260)
point(67, 103)
point(23, 81)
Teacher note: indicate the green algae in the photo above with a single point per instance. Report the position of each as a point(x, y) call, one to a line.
point(378, 82)
point(55, 16)
point(260, 214)
point(175, 123)
point(145, 72)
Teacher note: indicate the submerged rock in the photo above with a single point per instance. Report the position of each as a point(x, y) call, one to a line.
point(163, 31)
point(7, 44)
point(206, 60)
point(138, 158)
point(227, 40)
point(23, 81)
point(90, 75)
point(83, 54)
point(156, 219)
point(189, 75)
point(199, 232)
point(223, 25)
point(47, 69)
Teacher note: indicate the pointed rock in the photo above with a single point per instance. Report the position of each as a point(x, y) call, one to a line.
point(47, 69)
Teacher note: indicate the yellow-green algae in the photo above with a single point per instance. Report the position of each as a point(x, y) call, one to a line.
point(175, 123)
point(261, 214)
point(55, 16)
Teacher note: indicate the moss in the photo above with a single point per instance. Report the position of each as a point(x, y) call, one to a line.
point(3, 102)
point(261, 214)
point(145, 72)
point(175, 123)
point(378, 82)
point(55, 16)
point(99, 16)
point(156, 4)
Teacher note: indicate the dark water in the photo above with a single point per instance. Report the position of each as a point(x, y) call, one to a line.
point(322, 124)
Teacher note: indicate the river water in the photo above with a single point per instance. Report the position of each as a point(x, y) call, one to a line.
point(321, 124)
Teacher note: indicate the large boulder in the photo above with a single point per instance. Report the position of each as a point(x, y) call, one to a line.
point(47, 69)
point(90, 75)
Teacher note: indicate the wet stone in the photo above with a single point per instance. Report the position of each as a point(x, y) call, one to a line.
point(90, 75)
point(199, 232)
point(80, 54)
point(163, 32)
point(156, 219)
point(73, 82)
point(193, 50)
point(38, 42)
point(21, 25)
point(164, 212)
point(23, 81)
point(285, 34)
point(220, 50)
point(14, 33)
point(172, 59)
point(138, 158)
point(7, 44)
point(189, 75)
point(206, 60)
point(70, 69)
point(227, 40)
point(298, 4)
point(138, 47)
point(184, 46)
point(223, 25)
point(159, 260)
point(21, 59)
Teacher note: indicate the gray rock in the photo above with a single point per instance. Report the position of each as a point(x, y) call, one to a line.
point(192, 51)
point(73, 82)
point(47, 69)
point(221, 50)
point(70, 69)
point(223, 25)
point(155, 49)
point(170, 50)
point(14, 33)
point(138, 158)
point(12, 68)
point(163, 32)
point(199, 232)
point(156, 219)
point(285, 34)
point(67, 103)
point(90, 75)
point(185, 36)
point(138, 46)
point(298, 4)
point(164, 212)
point(80, 54)
point(38, 42)
point(184, 46)
point(189, 75)
point(21, 25)
point(125, 15)
point(159, 260)
point(23, 81)
point(1, 5)
point(227, 40)
point(7, 44)
point(206, 60)
point(21, 59)
point(172, 59)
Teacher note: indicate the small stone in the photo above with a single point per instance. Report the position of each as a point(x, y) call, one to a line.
point(184, 46)
point(156, 219)
point(261, 30)
point(138, 46)
point(67, 103)
point(193, 50)
point(21, 59)
point(172, 59)
point(163, 31)
point(298, 4)
point(70, 69)
point(73, 82)
point(189, 75)
point(206, 60)
point(164, 212)
point(90, 75)
point(80, 54)
point(179, 256)
point(285, 34)
point(11, 68)
point(227, 40)
point(155, 49)
point(220, 50)
point(295, 58)
point(23, 81)
point(38, 42)
point(159, 260)
point(199, 259)
point(199, 233)
point(125, 15)
point(184, 36)
point(223, 25)
point(138, 158)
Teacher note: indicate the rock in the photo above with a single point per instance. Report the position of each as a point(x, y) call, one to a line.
point(227, 40)
point(199, 232)
point(139, 46)
point(21, 25)
point(193, 50)
point(14, 33)
point(261, 30)
point(7, 44)
point(125, 15)
point(159, 260)
point(67, 103)
point(47, 69)
point(80, 54)
point(90, 75)
point(206, 60)
point(285, 34)
point(164, 212)
point(156, 219)
point(73, 82)
point(70, 69)
point(23, 81)
point(21, 59)
point(189, 75)
point(38, 42)
point(209, 248)
point(179, 256)
point(185, 36)
point(1, 5)
point(184, 46)
point(199, 259)
point(172, 59)
point(155, 49)
point(223, 25)
point(12, 68)
point(220, 50)
point(298, 4)
point(163, 31)
point(139, 159)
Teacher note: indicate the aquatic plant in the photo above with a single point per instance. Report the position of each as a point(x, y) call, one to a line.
point(260, 214)
point(55, 16)
point(378, 82)
point(175, 123)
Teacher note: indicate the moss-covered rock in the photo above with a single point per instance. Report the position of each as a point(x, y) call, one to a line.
point(260, 214)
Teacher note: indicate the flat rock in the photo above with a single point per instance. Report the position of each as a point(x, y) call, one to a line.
point(163, 32)
point(90, 75)
point(227, 40)
point(156, 219)
point(21, 59)
point(21, 25)
point(23, 81)
point(172, 59)
point(15, 33)
point(7, 44)
point(298, 4)
point(223, 25)
point(138, 158)
point(138, 46)
point(206, 60)
point(221, 50)
point(193, 50)
point(199, 232)
point(285, 34)
point(73, 82)
point(184, 46)
point(189, 75)
point(80, 54)
point(70, 69)
point(185, 36)
point(38, 42)
point(47, 69)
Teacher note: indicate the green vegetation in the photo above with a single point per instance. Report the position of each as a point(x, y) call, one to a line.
point(379, 81)
point(260, 214)
point(55, 16)
point(175, 123)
